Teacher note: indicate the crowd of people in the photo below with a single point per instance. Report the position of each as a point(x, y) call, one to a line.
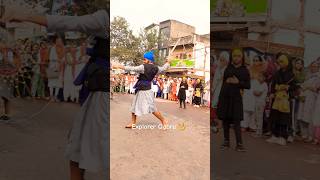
point(44, 68)
point(182, 90)
point(281, 100)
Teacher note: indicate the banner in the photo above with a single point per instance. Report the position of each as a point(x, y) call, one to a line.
point(238, 8)
point(182, 63)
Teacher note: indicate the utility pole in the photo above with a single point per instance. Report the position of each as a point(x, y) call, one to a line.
point(269, 19)
point(205, 61)
point(301, 23)
point(174, 47)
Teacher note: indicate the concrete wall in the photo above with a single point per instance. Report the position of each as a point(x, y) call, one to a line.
point(179, 29)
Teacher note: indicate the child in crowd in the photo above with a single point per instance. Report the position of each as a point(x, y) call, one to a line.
point(283, 84)
point(260, 90)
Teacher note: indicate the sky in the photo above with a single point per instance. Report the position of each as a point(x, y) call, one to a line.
point(141, 13)
point(291, 13)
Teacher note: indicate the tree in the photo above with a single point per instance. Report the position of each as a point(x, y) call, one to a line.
point(149, 41)
point(91, 6)
point(125, 47)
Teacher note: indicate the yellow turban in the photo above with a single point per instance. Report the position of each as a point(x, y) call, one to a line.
point(237, 52)
point(283, 60)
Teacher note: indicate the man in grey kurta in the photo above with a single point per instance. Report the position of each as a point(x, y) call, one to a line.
point(88, 139)
point(143, 103)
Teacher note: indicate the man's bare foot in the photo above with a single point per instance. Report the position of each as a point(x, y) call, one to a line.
point(165, 124)
point(130, 125)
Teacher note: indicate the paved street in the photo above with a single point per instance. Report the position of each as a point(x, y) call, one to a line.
point(33, 148)
point(157, 154)
point(264, 161)
point(32, 144)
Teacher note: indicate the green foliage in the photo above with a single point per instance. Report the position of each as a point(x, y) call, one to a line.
point(149, 41)
point(255, 6)
point(128, 48)
point(90, 6)
point(252, 6)
point(124, 45)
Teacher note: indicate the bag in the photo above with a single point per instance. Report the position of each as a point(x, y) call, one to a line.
point(281, 102)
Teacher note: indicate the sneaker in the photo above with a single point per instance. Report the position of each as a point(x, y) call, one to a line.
point(225, 145)
point(290, 139)
point(282, 142)
point(273, 139)
point(240, 148)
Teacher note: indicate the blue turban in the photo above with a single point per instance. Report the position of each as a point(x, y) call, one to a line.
point(149, 55)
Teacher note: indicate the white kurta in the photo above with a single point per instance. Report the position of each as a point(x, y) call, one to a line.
point(261, 88)
point(248, 100)
point(306, 108)
point(53, 64)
